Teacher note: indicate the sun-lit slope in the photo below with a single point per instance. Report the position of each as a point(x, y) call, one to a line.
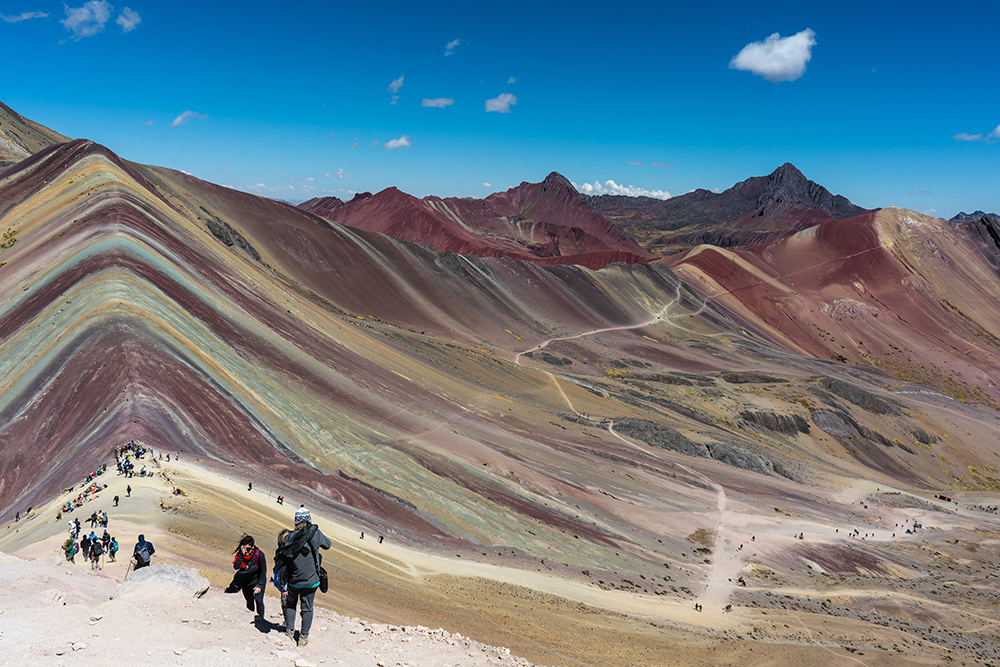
point(556, 413)
point(896, 290)
point(20, 137)
point(123, 317)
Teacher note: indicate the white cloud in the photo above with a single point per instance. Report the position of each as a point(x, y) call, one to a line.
point(777, 58)
point(310, 179)
point(395, 85)
point(659, 164)
point(373, 144)
point(450, 47)
point(128, 20)
point(23, 16)
point(965, 136)
point(340, 174)
point(224, 168)
point(487, 185)
point(634, 164)
point(355, 145)
point(438, 102)
point(394, 98)
point(401, 142)
point(920, 192)
point(187, 117)
point(511, 80)
point(87, 20)
point(995, 134)
point(501, 103)
point(611, 188)
point(148, 122)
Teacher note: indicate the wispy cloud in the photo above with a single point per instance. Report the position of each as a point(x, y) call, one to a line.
point(223, 168)
point(487, 185)
point(355, 145)
point(23, 16)
point(609, 187)
point(501, 103)
point(438, 102)
point(340, 174)
point(634, 164)
point(187, 117)
point(450, 47)
point(128, 20)
point(373, 144)
point(87, 20)
point(148, 122)
point(511, 80)
point(659, 164)
point(965, 136)
point(777, 58)
point(401, 142)
point(920, 192)
point(995, 134)
point(394, 98)
point(395, 85)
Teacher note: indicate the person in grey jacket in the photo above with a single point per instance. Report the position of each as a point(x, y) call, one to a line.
point(300, 572)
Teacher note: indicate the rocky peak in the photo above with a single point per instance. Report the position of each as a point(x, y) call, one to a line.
point(556, 181)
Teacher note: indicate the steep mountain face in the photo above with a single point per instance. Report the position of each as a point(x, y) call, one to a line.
point(758, 210)
point(983, 231)
point(20, 137)
point(546, 223)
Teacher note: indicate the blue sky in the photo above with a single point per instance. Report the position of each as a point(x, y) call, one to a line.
point(889, 104)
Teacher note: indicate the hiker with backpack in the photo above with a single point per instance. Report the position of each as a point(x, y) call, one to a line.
point(251, 575)
point(143, 552)
point(96, 551)
point(298, 573)
point(113, 549)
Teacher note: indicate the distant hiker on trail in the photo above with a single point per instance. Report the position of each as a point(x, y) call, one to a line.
point(297, 568)
point(143, 552)
point(250, 486)
point(251, 575)
point(113, 549)
point(128, 491)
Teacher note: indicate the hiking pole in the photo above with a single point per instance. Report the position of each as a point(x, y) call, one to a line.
point(131, 562)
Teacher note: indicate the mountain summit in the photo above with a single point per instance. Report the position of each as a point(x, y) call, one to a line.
point(760, 209)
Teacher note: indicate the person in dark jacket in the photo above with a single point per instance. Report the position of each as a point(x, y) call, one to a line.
point(300, 573)
point(251, 575)
point(143, 552)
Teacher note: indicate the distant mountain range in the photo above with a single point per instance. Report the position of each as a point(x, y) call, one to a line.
point(545, 223)
point(550, 222)
point(758, 210)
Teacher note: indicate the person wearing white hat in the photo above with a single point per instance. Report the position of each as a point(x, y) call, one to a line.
point(297, 569)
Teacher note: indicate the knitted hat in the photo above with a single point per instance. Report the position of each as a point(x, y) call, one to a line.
point(302, 515)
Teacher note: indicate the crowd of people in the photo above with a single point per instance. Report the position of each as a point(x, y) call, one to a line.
point(992, 509)
point(126, 456)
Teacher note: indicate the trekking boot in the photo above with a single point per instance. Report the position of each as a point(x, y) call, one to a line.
point(303, 640)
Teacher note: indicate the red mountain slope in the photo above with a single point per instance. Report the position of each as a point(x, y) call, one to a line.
point(547, 222)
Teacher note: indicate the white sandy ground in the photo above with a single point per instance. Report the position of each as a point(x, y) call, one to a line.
point(48, 607)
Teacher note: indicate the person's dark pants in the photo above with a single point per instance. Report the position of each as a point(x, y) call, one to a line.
point(254, 601)
point(295, 595)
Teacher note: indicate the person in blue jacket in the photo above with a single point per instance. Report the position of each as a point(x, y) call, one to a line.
point(297, 568)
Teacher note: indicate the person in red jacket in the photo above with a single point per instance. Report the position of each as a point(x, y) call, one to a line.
point(251, 575)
